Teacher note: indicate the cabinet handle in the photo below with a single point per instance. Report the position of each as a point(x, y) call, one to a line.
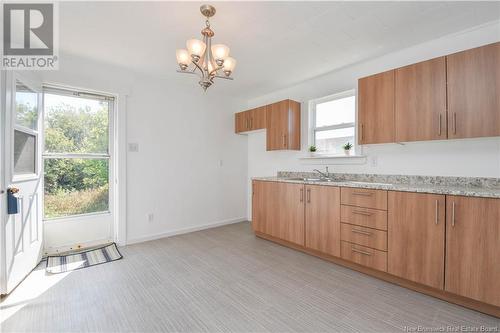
point(301, 195)
point(361, 213)
point(246, 123)
point(453, 214)
point(251, 122)
point(367, 194)
point(454, 123)
point(309, 195)
point(356, 231)
point(362, 132)
point(437, 211)
point(439, 133)
point(360, 251)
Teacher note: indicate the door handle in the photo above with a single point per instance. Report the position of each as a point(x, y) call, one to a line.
point(437, 211)
point(439, 132)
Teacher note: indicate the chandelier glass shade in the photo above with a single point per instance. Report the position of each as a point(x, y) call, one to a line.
point(202, 58)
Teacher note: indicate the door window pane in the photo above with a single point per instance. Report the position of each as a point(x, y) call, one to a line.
point(75, 125)
point(75, 186)
point(24, 153)
point(336, 112)
point(26, 106)
point(331, 141)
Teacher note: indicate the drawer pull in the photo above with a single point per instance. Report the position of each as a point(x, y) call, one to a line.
point(367, 194)
point(360, 212)
point(360, 251)
point(356, 231)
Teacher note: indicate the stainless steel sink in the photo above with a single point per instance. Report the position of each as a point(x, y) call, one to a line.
point(312, 179)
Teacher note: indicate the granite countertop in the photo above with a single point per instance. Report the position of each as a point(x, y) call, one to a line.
point(465, 187)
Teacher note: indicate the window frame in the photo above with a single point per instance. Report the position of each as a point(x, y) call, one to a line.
point(26, 130)
point(314, 129)
point(64, 91)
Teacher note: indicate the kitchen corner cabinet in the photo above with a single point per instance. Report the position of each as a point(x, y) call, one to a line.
point(416, 233)
point(322, 223)
point(474, 92)
point(376, 108)
point(283, 125)
point(250, 120)
point(420, 101)
point(473, 248)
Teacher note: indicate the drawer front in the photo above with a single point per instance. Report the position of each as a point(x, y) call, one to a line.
point(362, 197)
point(365, 217)
point(376, 239)
point(364, 256)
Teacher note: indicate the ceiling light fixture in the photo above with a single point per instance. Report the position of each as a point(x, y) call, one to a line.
point(205, 59)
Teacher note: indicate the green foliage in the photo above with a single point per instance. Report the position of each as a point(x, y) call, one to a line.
point(312, 149)
point(347, 146)
point(76, 186)
point(26, 115)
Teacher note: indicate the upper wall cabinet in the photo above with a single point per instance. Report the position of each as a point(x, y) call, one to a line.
point(474, 92)
point(420, 101)
point(250, 120)
point(283, 125)
point(376, 108)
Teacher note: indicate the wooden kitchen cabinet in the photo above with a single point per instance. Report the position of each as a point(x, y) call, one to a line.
point(376, 108)
point(416, 231)
point(474, 92)
point(473, 248)
point(322, 227)
point(283, 125)
point(250, 120)
point(420, 101)
point(278, 210)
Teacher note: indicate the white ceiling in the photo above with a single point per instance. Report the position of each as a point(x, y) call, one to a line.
point(276, 44)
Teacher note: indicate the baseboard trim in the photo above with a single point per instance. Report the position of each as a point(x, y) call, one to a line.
point(441, 294)
point(184, 230)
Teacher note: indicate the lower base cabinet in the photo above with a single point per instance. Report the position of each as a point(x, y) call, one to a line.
point(473, 248)
point(323, 219)
point(445, 242)
point(416, 224)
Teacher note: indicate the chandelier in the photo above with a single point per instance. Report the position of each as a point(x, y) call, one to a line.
point(204, 59)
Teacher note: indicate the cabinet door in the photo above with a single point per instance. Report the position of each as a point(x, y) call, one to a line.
point(473, 248)
point(241, 122)
point(416, 226)
point(276, 122)
point(323, 219)
point(420, 101)
point(257, 118)
point(474, 92)
point(264, 206)
point(376, 108)
point(291, 213)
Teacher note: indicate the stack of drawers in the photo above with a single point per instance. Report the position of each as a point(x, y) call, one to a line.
point(363, 218)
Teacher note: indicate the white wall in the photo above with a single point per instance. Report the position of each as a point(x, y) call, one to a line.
point(183, 135)
point(471, 157)
point(191, 169)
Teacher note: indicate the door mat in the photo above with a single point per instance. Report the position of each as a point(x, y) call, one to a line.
point(71, 262)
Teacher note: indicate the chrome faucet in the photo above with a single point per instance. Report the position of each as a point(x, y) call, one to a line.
point(323, 174)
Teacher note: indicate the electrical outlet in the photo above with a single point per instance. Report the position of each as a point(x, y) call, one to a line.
point(151, 217)
point(374, 160)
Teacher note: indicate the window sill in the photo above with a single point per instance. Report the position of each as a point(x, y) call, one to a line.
point(334, 159)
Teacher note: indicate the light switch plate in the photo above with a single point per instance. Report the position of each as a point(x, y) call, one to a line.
point(133, 147)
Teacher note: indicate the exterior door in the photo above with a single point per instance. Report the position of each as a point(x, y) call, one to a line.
point(21, 233)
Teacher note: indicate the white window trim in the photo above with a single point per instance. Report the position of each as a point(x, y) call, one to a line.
point(313, 129)
point(65, 91)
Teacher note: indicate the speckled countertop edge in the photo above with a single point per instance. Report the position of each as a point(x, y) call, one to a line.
point(469, 191)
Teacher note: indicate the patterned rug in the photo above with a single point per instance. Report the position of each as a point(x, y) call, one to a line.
point(71, 262)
